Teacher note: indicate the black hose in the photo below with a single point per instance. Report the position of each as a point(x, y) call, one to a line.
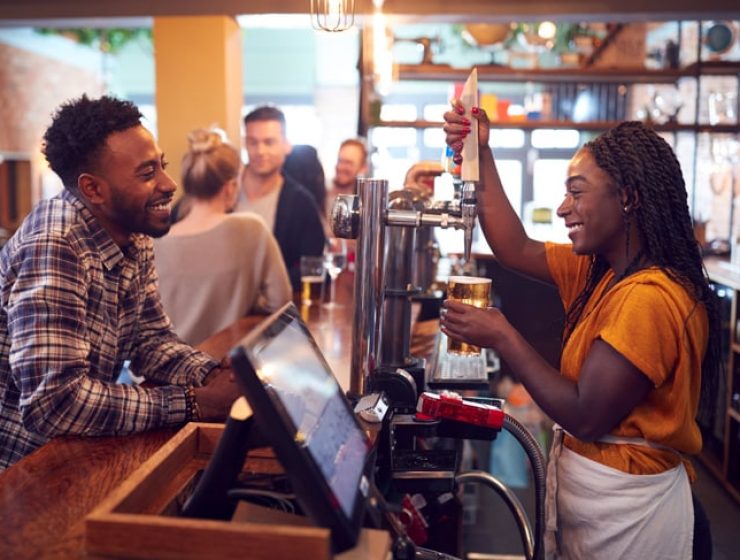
point(539, 470)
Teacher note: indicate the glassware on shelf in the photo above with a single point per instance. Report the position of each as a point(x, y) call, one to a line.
point(722, 107)
point(335, 261)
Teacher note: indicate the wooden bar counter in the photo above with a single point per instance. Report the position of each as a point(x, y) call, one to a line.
point(45, 497)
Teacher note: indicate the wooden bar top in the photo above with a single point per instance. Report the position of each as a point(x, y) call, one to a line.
point(45, 497)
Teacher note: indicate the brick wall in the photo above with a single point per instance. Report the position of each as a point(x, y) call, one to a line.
point(31, 87)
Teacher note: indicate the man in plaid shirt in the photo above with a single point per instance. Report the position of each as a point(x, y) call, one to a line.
point(78, 295)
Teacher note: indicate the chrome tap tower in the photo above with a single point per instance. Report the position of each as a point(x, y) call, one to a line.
point(384, 268)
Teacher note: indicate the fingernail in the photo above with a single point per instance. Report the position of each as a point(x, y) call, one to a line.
point(466, 122)
point(475, 110)
point(457, 159)
point(466, 130)
point(459, 110)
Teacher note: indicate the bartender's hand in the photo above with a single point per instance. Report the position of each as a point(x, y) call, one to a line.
point(457, 127)
point(486, 328)
point(217, 395)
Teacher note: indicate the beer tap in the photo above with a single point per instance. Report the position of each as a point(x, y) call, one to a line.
point(469, 211)
point(384, 268)
point(469, 170)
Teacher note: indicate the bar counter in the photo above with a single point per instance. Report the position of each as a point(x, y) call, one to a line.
point(45, 497)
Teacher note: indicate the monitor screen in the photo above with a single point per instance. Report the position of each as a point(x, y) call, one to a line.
point(302, 411)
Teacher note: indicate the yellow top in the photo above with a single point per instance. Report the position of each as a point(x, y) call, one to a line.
point(654, 323)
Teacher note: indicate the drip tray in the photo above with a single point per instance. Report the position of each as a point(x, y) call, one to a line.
point(455, 371)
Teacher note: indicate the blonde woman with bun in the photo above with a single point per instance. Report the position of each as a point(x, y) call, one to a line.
point(215, 267)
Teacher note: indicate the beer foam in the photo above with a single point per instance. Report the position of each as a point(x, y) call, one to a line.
point(312, 279)
point(469, 280)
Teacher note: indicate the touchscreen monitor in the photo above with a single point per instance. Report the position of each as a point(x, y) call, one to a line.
point(302, 412)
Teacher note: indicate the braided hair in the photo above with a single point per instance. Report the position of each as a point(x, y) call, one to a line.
point(645, 167)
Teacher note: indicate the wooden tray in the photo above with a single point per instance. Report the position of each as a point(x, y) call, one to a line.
point(132, 521)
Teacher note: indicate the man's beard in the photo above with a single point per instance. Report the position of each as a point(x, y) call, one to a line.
point(138, 220)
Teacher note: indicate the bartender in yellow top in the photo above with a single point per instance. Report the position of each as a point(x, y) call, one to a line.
point(641, 341)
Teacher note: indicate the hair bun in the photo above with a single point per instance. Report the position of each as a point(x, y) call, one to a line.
point(202, 140)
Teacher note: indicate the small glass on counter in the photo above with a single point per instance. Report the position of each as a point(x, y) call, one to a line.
point(312, 280)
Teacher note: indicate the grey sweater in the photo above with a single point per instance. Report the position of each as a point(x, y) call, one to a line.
point(210, 279)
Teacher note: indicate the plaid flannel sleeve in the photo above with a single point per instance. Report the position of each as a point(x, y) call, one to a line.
point(49, 354)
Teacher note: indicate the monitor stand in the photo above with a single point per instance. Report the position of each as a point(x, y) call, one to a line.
point(210, 498)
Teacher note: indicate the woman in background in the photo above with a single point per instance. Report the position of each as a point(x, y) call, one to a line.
point(215, 267)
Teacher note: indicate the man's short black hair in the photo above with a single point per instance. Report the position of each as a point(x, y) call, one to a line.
point(79, 130)
point(265, 113)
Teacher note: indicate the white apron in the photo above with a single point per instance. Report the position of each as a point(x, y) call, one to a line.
point(595, 511)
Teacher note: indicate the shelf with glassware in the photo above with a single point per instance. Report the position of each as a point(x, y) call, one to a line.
point(487, 73)
point(564, 85)
point(560, 124)
point(721, 431)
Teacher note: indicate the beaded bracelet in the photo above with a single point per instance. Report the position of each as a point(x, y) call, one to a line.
point(192, 410)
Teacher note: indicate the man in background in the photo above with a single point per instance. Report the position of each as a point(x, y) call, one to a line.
point(351, 163)
point(286, 206)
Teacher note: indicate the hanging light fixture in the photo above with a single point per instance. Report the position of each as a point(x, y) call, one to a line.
point(332, 15)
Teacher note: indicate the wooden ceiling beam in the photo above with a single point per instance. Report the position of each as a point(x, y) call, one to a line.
point(443, 10)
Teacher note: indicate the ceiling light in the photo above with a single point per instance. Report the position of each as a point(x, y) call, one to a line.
point(332, 15)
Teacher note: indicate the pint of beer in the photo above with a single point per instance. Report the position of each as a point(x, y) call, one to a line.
point(470, 290)
point(312, 280)
point(312, 288)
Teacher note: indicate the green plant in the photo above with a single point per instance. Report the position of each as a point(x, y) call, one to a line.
point(109, 40)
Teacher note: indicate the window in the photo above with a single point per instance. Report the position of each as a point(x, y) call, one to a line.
point(510, 171)
point(549, 138)
point(398, 112)
point(506, 138)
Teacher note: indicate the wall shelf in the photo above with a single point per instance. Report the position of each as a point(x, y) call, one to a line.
point(589, 125)
point(436, 72)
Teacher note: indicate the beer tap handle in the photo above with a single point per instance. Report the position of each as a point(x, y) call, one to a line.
point(345, 216)
point(470, 171)
point(469, 211)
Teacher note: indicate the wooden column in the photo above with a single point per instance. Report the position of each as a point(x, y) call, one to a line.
point(198, 62)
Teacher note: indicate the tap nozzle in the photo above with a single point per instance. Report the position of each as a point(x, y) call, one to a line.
point(469, 211)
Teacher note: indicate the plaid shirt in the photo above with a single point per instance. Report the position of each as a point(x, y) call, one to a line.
point(73, 307)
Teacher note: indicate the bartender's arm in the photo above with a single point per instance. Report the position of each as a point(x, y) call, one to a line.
point(500, 224)
point(608, 387)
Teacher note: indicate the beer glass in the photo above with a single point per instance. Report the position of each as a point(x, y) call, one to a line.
point(471, 290)
point(335, 260)
point(312, 280)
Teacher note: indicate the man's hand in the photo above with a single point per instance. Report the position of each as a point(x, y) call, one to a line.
point(217, 395)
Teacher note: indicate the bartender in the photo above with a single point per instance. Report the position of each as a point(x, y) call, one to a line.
point(78, 295)
point(641, 339)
